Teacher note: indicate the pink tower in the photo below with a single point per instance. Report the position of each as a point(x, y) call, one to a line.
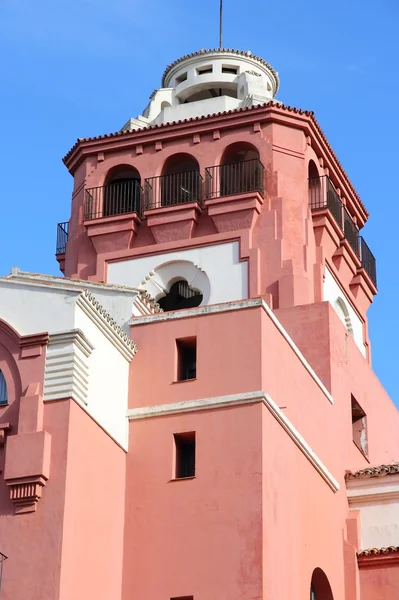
point(191, 413)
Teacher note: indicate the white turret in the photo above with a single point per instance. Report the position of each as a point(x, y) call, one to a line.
point(208, 82)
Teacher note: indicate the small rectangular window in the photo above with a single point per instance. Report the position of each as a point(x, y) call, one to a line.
point(183, 598)
point(204, 70)
point(230, 70)
point(359, 427)
point(185, 455)
point(186, 359)
point(181, 78)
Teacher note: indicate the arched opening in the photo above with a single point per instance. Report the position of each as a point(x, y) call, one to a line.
point(181, 180)
point(122, 191)
point(165, 104)
point(320, 588)
point(342, 311)
point(3, 389)
point(314, 186)
point(181, 295)
point(240, 170)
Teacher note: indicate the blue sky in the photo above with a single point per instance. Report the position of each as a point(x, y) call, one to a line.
point(78, 68)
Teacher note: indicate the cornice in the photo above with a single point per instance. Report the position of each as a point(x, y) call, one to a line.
point(372, 558)
point(220, 402)
point(93, 309)
point(369, 472)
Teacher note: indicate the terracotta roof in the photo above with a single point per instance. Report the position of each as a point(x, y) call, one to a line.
point(272, 103)
point(369, 472)
point(222, 51)
point(378, 551)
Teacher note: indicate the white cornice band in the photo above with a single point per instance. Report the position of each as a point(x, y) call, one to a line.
point(239, 400)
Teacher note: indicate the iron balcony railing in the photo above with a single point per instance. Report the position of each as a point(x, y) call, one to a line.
point(368, 260)
point(322, 194)
point(234, 178)
point(169, 190)
point(62, 237)
point(113, 199)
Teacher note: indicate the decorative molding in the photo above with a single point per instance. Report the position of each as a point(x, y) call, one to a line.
point(372, 490)
point(369, 472)
point(26, 492)
point(220, 402)
point(232, 306)
point(66, 371)
point(5, 429)
point(111, 330)
point(374, 558)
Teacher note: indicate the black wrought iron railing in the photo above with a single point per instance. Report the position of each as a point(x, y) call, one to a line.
point(368, 260)
point(113, 199)
point(169, 190)
point(234, 178)
point(62, 237)
point(322, 194)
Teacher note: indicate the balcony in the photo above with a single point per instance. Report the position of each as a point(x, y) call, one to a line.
point(235, 178)
point(117, 198)
point(62, 237)
point(323, 195)
point(173, 189)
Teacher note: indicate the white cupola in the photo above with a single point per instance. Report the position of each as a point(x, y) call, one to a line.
point(208, 82)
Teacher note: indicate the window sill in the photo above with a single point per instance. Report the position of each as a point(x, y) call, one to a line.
point(361, 452)
point(182, 479)
point(184, 381)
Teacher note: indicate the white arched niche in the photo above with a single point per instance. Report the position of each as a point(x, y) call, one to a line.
point(159, 281)
point(342, 311)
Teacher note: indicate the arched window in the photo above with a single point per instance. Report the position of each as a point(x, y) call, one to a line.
point(320, 588)
point(240, 170)
point(316, 199)
point(122, 191)
point(180, 296)
point(181, 180)
point(3, 389)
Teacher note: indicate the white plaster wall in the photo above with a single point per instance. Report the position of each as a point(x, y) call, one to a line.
point(332, 291)
point(380, 524)
point(32, 309)
point(197, 109)
point(228, 276)
point(108, 378)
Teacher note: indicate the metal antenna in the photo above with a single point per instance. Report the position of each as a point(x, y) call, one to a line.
point(221, 26)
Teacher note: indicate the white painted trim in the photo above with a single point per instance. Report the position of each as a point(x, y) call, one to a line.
point(231, 306)
point(374, 489)
point(98, 315)
point(239, 400)
point(66, 372)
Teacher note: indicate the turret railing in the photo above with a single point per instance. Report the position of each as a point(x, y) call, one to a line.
point(113, 199)
point(322, 194)
point(234, 178)
point(173, 189)
point(62, 237)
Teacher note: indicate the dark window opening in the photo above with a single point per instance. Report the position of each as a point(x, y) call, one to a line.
point(122, 196)
point(181, 78)
point(185, 455)
point(3, 389)
point(359, 427)
point(183, 598)
point(186, 359)
point(204, 70)
point(230, 70)
point(180, 296)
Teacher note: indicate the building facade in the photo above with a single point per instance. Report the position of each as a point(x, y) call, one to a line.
point(190, 412)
